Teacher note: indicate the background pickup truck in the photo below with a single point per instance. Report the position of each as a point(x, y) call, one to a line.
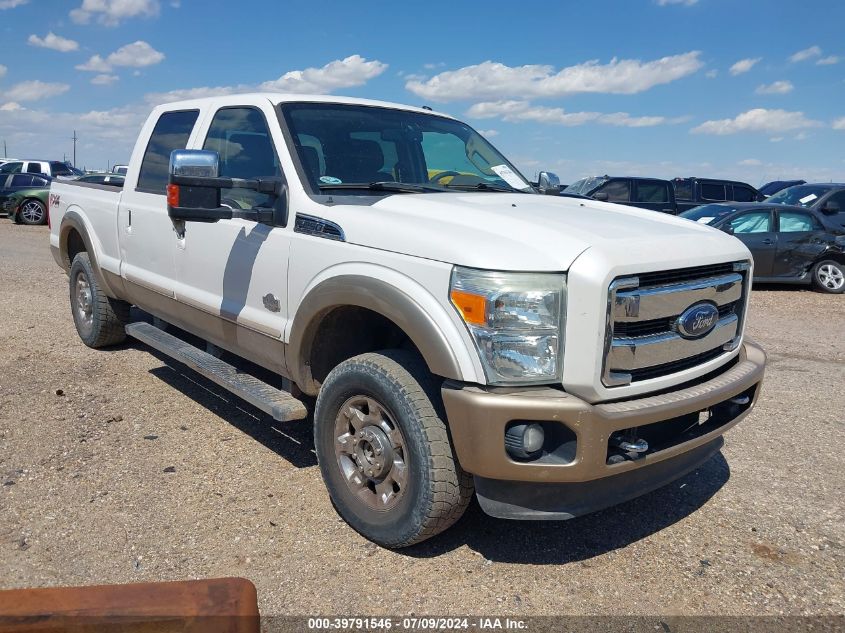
point(449, 330)
point(692, 192)
point(645, 193)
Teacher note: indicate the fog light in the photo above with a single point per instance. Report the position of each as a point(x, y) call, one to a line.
point(524, 441)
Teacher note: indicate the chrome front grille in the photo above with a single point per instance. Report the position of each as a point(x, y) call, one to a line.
point(643, 339)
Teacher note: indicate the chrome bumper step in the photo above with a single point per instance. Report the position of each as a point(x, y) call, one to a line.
point(281, 405)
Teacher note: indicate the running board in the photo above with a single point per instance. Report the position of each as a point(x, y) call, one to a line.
point(279, 404)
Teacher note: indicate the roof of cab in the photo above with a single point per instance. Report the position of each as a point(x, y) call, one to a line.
point(280, 97)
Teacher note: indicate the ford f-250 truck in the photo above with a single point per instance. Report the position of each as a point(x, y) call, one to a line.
point(460, 331)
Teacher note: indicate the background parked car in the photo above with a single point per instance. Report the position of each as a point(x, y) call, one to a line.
point(790, 244)
point(10, 183)
point(771, 188)
point(119, 169)
point(692, 192)
point(646, 193)
point(52, 168)
point(827, 198)
point(113, 180)
point(29, 206)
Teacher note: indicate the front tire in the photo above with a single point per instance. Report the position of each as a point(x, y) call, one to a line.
point(99, 319)
point(32, 212)
point(829, 276)
point(384, 449)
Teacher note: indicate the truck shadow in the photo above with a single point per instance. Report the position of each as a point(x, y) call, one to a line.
point(521, 542)
point(582, 538)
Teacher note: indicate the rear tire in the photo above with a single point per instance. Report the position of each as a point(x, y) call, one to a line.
point(829, 276)
point(99, 319)
point(32, 212)
point(384, 449)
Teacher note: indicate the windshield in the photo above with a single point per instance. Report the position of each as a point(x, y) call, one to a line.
point(708, 213)
point(586, 185)
point(341, 146)
point(802, 195)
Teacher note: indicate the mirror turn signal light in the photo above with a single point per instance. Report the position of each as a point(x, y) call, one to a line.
point(172, 195)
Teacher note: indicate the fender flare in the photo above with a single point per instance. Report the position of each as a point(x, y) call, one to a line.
point(72, 220)
point(380, 297)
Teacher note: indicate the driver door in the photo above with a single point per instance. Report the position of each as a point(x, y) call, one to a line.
point(236, 269)
point(755, 229)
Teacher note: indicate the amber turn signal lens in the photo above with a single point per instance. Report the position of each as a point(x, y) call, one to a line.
point(173, 195)
point(471, 306)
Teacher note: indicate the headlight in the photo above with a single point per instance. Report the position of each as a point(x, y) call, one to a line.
point(515, 321)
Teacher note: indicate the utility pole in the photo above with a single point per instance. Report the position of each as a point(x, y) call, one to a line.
point(5, 155)
point(75, 138)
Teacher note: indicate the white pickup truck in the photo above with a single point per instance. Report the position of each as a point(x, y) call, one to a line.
point(461, 332)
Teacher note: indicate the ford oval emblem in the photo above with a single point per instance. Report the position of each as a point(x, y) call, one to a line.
point(697, 320)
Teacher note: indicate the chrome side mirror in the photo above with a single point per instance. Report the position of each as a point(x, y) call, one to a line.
point(548, 183)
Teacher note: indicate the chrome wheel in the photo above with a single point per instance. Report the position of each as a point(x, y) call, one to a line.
point(84, 302)
point(831, 276)
point(370, 452)
point(32, 212)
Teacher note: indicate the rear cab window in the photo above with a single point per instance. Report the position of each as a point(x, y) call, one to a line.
point(172, 131)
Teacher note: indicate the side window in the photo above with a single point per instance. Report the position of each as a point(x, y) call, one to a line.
point(652, 191)
point(838, 198)
point(712, 191)
point(34, 168)
point(11, 168)
point(40, 182)
point(756, 222)
point(21, 180)
point(683, 189)
point(797, 222)
point(242, 139)
point(172, 131)
point(616, 190)
point(743, 194)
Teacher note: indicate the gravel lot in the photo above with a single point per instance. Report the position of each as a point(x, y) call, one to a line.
point(118, 467)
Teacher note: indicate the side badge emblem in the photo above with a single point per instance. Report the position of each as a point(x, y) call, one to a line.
point(271, 303)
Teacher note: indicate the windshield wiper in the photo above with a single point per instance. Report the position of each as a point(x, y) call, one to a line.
point(385, 185)
point(486, 186)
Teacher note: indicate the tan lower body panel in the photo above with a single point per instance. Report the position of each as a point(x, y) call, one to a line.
point(258, 348)
point(479, 417)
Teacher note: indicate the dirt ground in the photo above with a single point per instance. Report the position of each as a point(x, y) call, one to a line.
point(116, 467)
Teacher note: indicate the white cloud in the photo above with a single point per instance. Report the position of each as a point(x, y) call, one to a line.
point(112, 12)
point(807, 53)
point(775, 88)
point(155, 98)
point(712, 74)
point(776, 139)
point(488, 133)
point(341, 73)
point(95, 64)
point(839, 124)
point(757, 120)
point(104, 80)
point(34, 91)
point(750, 162)
point(11, 107)
point(515, 111)
point(136, 55)
point(3, 70)
point(744, 65)
point(11, 4)
point(686, 3)
point(493, 80)
point(828, 61)
point(54, 42)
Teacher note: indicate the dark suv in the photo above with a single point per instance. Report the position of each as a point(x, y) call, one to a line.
point(646, 193)
point(692, 192)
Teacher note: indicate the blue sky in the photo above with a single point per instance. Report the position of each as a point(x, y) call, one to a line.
point(752, 89)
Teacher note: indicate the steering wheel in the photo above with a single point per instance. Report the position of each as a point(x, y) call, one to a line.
point(442, 175)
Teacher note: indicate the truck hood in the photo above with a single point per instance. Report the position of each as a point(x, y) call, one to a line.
point(527, 232)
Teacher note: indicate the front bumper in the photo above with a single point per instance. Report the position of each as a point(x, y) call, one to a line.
point(478, 418)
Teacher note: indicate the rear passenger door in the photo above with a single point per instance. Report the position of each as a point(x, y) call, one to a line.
point(237, 269)
point(756, 230)
point(653, 195)
point(800, 241)
point(147, 235)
